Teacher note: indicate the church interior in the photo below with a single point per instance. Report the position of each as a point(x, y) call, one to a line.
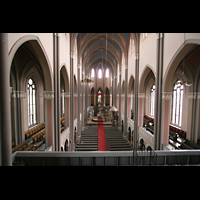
point(100, 98)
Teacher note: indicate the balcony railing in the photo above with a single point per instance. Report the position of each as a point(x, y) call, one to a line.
point(102, 158)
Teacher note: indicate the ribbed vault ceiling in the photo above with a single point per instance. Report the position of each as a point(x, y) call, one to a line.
point(97, 47)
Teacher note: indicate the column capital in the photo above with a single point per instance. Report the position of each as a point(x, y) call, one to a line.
point(141, 95)
point(48, 94)
point(18, 94)
point(71, 54)
point(66, 94)
point(194, 95)
point(137, 56)
point(158, 35)
point(79, 66)
point(166, 95)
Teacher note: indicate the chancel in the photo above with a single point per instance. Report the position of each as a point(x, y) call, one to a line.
point(100, 98)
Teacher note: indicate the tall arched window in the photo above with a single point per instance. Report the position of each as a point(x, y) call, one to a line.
point(100, 73)
point(63, 102)
point(31, 94)
point(92, 73)
point(107, 73)
point(152, 100)
point(177, 103)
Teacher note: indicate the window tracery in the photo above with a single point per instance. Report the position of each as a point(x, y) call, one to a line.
point(31, 94)
point(177, 103)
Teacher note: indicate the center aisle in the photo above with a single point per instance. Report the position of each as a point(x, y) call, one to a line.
point(102, 143)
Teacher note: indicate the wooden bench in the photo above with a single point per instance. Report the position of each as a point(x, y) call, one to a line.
point(34, 130)
point(150, 127)
point(120, 149)
point(173, 136)
point(86, 149)
point(19, 147)
point(31, 147)
point(38, 136)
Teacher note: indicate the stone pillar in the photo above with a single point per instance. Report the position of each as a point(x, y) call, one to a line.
point(197, 118)
point(125, 102)
point(86, 104)
point(5, 125)
point(83, 102)
point(193, 119)
point(18, 95)
point(71, 102)
point(67, 96)
point(119, 109)
point(129, 106)
point(158, 92)
point(136, 85)
point(141, 97)
point(56, 70)
point(115, 91)
point(49, 119)
point(14, 127)
point(79, 102)
point(58, 92)
point(166, 116)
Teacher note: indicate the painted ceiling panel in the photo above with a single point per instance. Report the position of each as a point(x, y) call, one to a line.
point(116, 43)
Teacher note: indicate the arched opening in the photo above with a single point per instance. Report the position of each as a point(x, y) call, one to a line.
point(142, 145)
point(122, 96)
point(99, 95)
point(66, 145)
point(75, 98)
point(92, 96)
point(107, 103)
point(64, 89)
point(149, 148)
point(129, 133)
point(180, 81)
point(130, 97)
point(28, 66)
point(147, 86)
point(75, 135)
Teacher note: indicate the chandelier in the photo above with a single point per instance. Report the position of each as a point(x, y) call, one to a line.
point(87, 81)
point(186, 83)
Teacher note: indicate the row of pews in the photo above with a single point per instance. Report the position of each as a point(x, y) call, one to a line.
point(88, 140)
point(115, 140)
point(182, 143)
point(34, 138)
point(24, 147)
point(174, 133)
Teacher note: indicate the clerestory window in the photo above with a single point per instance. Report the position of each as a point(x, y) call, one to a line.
point(31, 94)
point(152, 104)
point(177, 103)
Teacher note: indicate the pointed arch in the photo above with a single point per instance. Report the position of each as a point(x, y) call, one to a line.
point(148, 73)
point(175, 62)
point(63, 71)
point(131, 85)
point(37, 49)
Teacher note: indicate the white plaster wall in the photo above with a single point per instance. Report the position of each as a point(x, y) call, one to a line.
point(46, 40)
point(147, 52)
point(172, 42)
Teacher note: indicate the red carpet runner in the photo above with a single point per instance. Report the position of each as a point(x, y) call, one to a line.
point(102, 143)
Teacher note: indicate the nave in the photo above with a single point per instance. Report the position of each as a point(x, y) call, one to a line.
point(102, 138)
